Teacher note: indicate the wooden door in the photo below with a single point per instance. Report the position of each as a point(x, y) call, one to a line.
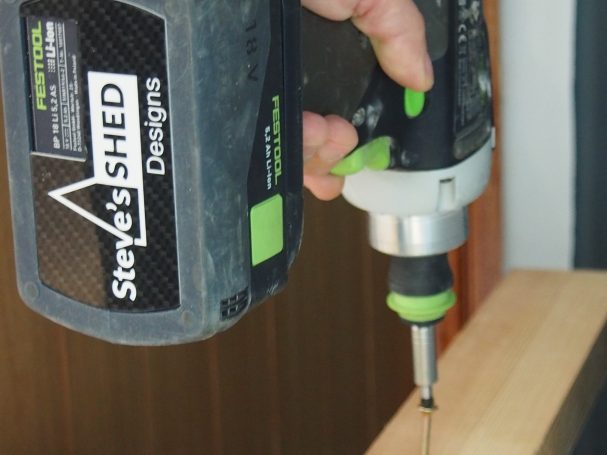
point(317, 370)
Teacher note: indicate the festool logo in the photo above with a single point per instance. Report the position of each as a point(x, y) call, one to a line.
point(277, 138)
point(38, 64)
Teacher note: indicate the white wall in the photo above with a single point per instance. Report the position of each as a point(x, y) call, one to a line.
point(537, 52)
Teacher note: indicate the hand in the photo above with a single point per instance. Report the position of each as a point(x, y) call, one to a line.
point(397, 31)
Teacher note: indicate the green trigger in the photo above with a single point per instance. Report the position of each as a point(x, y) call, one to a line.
point(375, 156)
point(351, 164)
point(378, 154)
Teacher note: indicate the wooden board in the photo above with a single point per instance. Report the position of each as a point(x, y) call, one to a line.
point(522, 376)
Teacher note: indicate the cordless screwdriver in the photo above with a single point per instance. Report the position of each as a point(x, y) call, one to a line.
point(424, 157)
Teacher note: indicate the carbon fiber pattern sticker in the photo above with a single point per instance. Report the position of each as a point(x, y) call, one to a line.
point(106, 226)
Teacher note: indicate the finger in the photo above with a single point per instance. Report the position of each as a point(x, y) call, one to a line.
point(398, 34)
point(315, 133)
point(325, 188)
point(341, 140)
point(316, 130)
point(397, 31)
point(336, 10)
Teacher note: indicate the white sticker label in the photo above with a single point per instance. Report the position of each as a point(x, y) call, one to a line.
point(115, 128)
point(116, 143)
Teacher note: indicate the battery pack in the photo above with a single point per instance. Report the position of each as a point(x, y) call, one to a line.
point(155, 166)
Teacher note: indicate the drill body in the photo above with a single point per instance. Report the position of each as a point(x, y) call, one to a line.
point(422, 158)
point(174, 171)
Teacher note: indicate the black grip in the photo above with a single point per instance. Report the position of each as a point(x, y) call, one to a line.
point(456, 120)
point(420, 277)
point(342, 77)
point(339, 64)
point(436, 15)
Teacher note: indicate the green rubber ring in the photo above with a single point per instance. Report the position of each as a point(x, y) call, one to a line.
point(422, 309)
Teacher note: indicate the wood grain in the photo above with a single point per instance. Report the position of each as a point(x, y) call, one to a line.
point(522, 376)
point(27, 388)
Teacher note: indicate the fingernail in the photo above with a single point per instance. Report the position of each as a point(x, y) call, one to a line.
point(429, 71)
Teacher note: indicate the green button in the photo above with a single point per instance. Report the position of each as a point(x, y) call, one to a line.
point(267, 230)
point(414, 103)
